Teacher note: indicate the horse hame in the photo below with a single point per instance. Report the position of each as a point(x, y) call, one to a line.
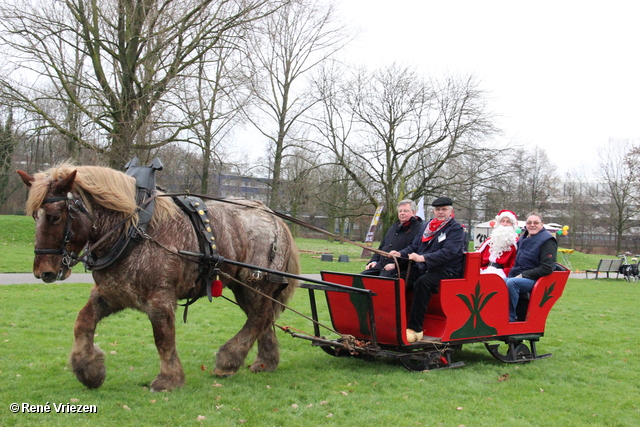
point(76, 207)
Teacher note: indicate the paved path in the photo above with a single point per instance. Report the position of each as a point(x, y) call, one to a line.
point(28, 278)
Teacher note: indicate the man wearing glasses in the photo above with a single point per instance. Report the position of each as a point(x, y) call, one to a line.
point(535, 258)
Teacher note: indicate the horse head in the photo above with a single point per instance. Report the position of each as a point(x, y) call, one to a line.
point(63, 225)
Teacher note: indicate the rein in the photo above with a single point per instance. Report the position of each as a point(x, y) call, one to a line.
point(295, 221)
point(285, 217)
point(70, 259)
point(283, 328)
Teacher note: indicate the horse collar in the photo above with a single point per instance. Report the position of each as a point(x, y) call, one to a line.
point(145, 200)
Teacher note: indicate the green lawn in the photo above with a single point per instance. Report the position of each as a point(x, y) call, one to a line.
point(593, 377)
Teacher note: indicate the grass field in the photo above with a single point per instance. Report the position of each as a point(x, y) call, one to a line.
point(592, 379)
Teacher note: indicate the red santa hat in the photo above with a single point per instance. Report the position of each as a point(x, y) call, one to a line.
point(509, 214)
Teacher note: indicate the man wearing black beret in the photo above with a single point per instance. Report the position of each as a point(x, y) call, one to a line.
point(438, 251)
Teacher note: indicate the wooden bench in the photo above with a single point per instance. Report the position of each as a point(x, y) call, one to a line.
point(606, 266)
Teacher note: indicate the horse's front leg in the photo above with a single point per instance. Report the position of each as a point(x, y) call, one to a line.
point(87, 360)
point(162, 316)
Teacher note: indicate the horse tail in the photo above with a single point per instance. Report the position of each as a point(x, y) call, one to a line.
point(293, 267)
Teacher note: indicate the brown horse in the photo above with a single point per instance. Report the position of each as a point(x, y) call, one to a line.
point(90, 205)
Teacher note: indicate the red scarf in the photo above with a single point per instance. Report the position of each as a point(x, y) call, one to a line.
point(406, 223)
point(433, 227)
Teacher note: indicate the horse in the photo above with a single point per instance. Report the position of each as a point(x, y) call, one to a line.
point(78, 207)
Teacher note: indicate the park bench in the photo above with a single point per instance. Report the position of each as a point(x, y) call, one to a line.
point(606, 266)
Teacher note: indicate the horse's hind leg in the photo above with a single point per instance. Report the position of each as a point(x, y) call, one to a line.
point(268, 356)
point(162, 316)
point(260, 316)
point(87, 360)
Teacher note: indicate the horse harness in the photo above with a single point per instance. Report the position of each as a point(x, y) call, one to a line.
point(209, 259)
point(146, 192)
point(197, 212)
point(73, 205)
point(145, 200)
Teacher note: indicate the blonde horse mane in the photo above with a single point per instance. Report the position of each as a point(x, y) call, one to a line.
point(109, 188)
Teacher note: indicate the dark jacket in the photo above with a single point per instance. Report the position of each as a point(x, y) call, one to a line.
point(444, 252)
point(536, 255)
point(398, 237)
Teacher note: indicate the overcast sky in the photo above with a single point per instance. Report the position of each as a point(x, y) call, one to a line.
point(562, 75)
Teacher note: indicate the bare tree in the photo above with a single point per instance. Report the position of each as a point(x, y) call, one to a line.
point(340, 198)
point(533, 182)
point(577, 210)
point(340, 195)
point(212, 105)
point(300, 176)
point(7, 147)
point(619, 189)
point(473, 181)
point(131, 53)
point(396, 131)
point(291, 42)
point(632, 160)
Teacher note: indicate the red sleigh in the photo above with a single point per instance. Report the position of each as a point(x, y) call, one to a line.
point(370, 314)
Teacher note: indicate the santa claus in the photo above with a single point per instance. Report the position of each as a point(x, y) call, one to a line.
point(499, 250)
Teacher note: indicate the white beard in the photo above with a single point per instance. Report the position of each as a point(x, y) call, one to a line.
point(502, 238)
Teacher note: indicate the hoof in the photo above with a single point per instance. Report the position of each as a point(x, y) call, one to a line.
point(259, 366)
point(90, 371)
point(223, 373)
point(167, 382)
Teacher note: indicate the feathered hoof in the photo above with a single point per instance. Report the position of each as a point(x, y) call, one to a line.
point(167, 382)
point(89, 370)
point(259, 366)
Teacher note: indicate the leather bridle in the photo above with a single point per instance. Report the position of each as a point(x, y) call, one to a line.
point(69, 259)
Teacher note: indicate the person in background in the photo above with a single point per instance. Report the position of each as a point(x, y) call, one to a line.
point(535, 258)
point(438, 251)
point(498, 252)
point(398, 236)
